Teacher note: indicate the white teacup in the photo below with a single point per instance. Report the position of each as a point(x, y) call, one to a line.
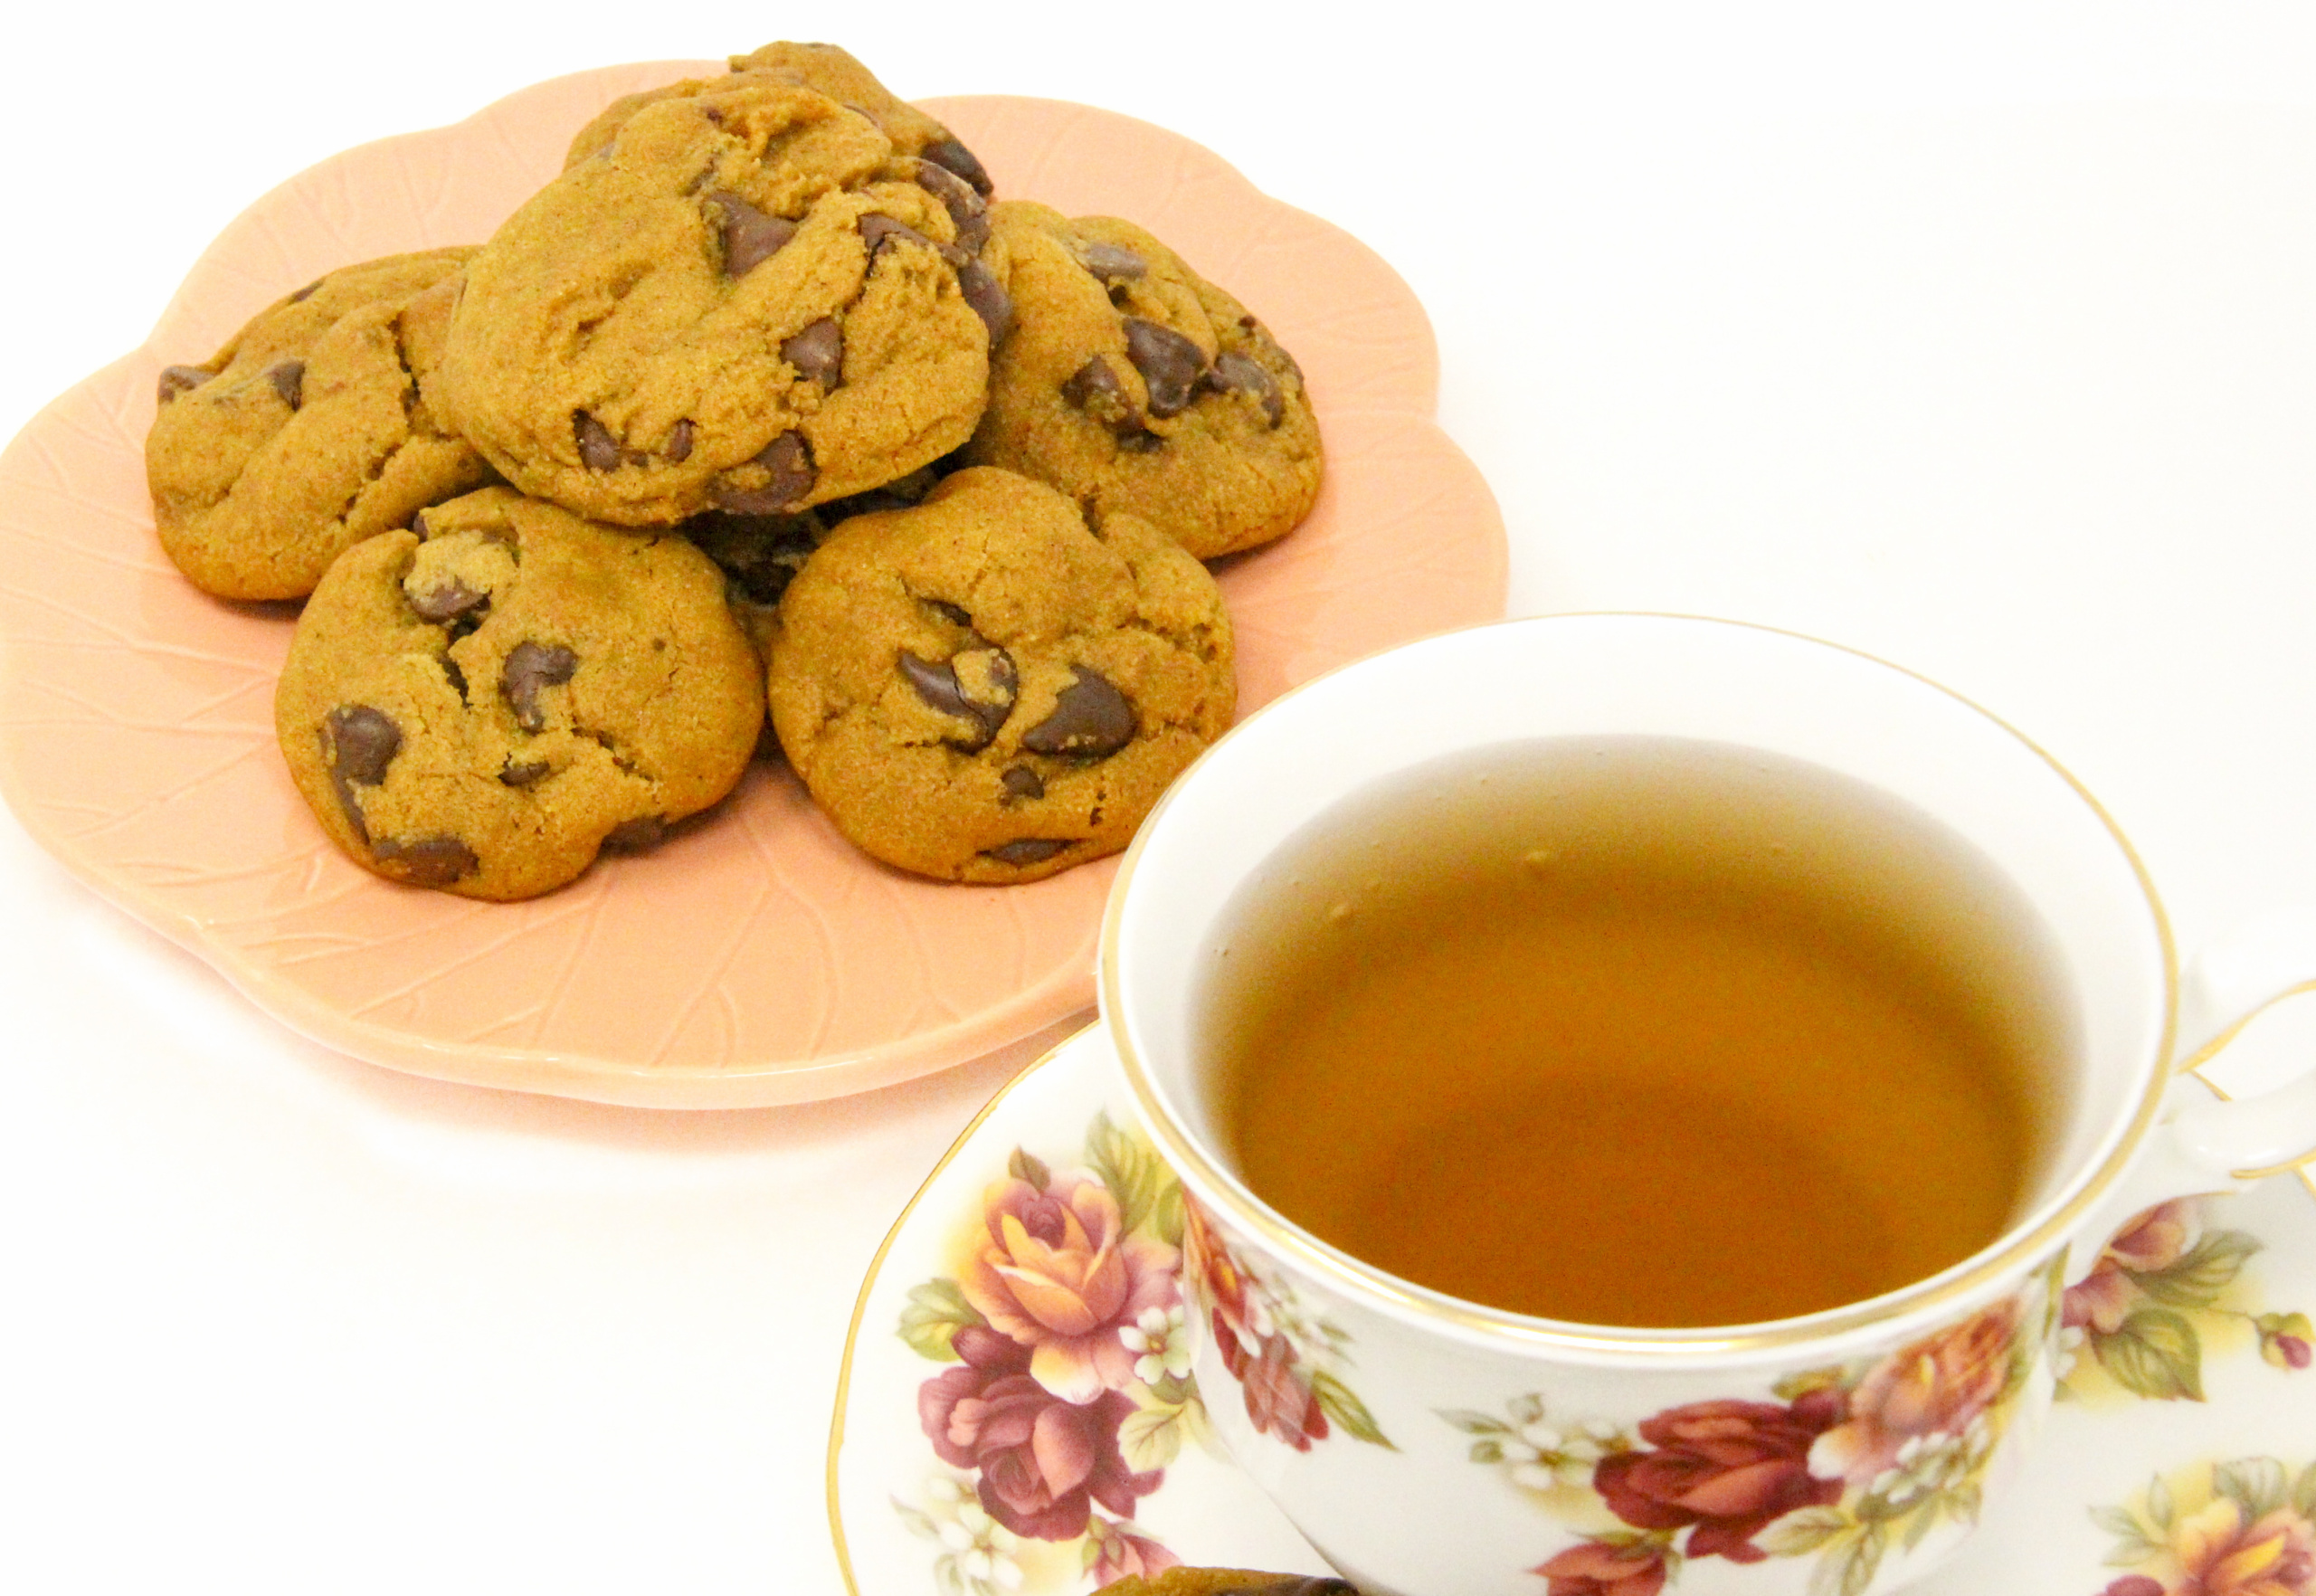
point(1847, 1450)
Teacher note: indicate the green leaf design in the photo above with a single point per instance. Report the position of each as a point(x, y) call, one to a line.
point(1490, 1452)
point(2119, 1522)
point(918, 1522)
point(2207, 1269)
point(1149, 1437)
point(1794, 1387)
point(1346, 1411)
point(1920, 1524)
point(2160, 1506)
point(2154, 1353)
point(2257, 1486)
point(2304, 1493)
point(1136, 1176)
point(1472, 1423)
point(936, 1311)
point(1026, 1165)
point(1803, 1531)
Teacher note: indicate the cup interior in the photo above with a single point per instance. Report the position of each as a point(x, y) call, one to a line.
point(1637, 676)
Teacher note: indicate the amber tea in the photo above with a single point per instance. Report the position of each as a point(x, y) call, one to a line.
point(1637, 1033)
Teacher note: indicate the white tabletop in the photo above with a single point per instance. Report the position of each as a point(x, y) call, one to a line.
point(1983, 339)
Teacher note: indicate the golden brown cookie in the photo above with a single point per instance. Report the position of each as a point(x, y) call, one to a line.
point(747, 302)
point(1226, 1582)
point(1133, 384)
point(986, 689)
point(827, 69)
point(309, 431)
point(484, 702)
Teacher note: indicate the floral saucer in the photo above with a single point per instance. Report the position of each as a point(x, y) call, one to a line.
point(1016, 1415)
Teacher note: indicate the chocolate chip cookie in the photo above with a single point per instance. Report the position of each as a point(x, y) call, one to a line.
point(988, 687)
point(827, 69)
point(1133, 384)
point(482, 702)
point(309, 431)
point(748, 301)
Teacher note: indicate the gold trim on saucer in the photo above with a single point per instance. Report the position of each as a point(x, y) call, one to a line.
point(876, 1267)
point(2306, 1162)
point(1416, 1303)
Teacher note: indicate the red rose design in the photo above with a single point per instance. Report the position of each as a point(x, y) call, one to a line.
point(1595, 1568)
point(1727, 1468)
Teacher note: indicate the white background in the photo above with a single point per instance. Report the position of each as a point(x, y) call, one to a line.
point(1982, 336)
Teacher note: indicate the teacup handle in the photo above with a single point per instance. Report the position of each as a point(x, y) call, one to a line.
point(2199, 1147)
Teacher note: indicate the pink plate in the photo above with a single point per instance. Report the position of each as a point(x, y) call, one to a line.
point(758, 959)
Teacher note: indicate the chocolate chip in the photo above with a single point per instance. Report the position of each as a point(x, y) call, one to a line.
point(678, 446)
point(1114, 262)
point(988, 298)
point(955, 615)
point(529, 667)
point(1091, 718)
point(306, 293)
point(635, 836)
point(751, 236)
point(438, 605)
point(789, 464)
point(426, 862)
point(1170, 363)
point(524, 775)
point(966, 208)
point(452, 674)
point(182, 379)
point(363, 742)
point(289, 380)
point(955, 157)
point(598, 450)
point(878, 229)
point(936, 682)
point(417, 523)
point(1235, 373)
point(1021, 782)
point(1141, 442)
point(1026, 851)
point(1096, 389)
point(817, 353)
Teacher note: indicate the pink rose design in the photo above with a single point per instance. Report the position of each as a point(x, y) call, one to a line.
point(1728, 1468)
point(1271, 1382)
point(1936, 1386)
point(1061, 1278)
point(1043, 1461)
point(2221, 1555)
point(2134, 1585)
point(1596, 1569)
point(1121, 1551)
point(2155, 1239)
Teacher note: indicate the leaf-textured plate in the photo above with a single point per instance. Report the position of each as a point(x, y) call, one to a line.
point(758, 959)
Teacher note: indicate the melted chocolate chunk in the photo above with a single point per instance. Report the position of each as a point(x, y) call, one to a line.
point(954, 156)
point(817, 353)
point(937, 683)
point(181, 379)
point(988, 298)
point(1096, 389)
point(1170, 364)
point(762, 554)
point(360, 742)
point(438, 605)
point(751, 236)
point(289, 380)
point(1021, 782)
point(635, 836)
point(1027, 850)
point(426, 862)
point(878, 229)
point(1114, 262)
point(598, 450)
point(306, 292)
point(678, 447)
point(526, 773)
point(966, 206)
point(530, 667)
point(789, 464)
point(1235, 373)
point(1091, 719)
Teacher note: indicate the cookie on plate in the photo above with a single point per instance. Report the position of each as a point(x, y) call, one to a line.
point(482, 702)
point(1226, 1582)
point(747, 302)
point(824, 68)
point(986, 687)
point(1131, 384)
point(309, 431)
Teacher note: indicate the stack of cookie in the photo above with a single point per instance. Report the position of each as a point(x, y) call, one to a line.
point(763, 402)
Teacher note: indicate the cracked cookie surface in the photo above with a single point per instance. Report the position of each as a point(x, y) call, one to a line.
point(483, 703)
point(984, 687)
point(309, 431)
point(825, 69)
point(1133, 384)
point(747, 302)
